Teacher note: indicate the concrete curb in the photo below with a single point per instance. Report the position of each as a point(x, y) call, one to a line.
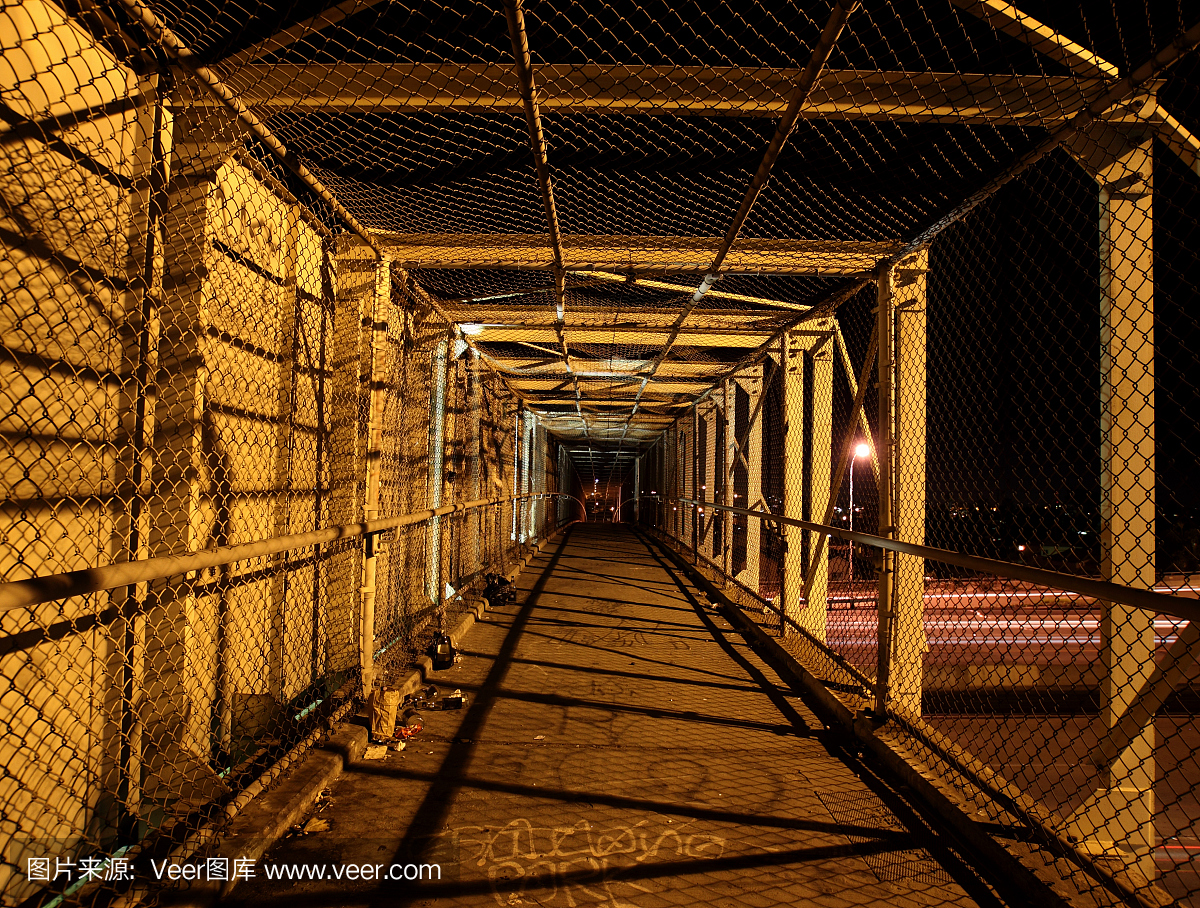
point(265, 820)
point(534, 551)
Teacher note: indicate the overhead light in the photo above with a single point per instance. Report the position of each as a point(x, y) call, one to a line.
point(471, 329)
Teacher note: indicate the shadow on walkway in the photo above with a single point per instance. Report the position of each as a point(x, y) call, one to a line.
point(622, 747)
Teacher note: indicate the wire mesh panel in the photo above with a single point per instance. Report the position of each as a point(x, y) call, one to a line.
point(920, 271)
point(190, 364)
point(1014, 421)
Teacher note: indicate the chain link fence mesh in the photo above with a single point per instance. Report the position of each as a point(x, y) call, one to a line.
point(1027, 426)
point(191, 362)
point(268, 271)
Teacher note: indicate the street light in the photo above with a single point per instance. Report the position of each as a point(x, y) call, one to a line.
point(860, 450)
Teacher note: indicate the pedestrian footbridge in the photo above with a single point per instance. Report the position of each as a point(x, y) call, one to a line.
point(801, 362)
point(625, 743)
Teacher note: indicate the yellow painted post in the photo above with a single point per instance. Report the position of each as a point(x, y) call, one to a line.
point(808, 417)
point(820, 431)
point(1120, 814)
point(373, 374)
point(885, 308)
point(909, 643)
point(728, 459)
point(152, 140)
point(694, 511)
point(750, 381)
point(793, 481)
point(709, 485)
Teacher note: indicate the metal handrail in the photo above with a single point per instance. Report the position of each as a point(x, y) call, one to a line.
point(51, 587)
point(1161, 603)
point(1138, 711)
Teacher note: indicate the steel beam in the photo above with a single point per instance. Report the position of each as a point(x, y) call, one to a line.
point(1006, 18)
point(909, 367)
point(611, 257)
point(537, 142)
point(799, 95)
point(1121, 812)
point(616, 90)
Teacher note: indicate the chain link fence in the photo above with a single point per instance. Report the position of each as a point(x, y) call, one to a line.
point(792, 283)
point(1036, 422)
point(193, 361)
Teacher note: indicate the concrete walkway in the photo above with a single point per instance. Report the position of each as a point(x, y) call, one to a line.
point(623, 747)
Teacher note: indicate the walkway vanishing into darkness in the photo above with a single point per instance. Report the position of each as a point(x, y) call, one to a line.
point(623, 747)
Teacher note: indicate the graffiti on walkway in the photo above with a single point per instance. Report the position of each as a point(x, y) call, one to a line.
point(582, 864)
point(620, 638)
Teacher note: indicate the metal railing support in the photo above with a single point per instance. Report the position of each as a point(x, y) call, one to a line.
point(696, 513)
point(377, 332)
point(16, 594)
point(1122, 810)
point(1158, 603)
point(437, 435)
point(908, 390)
point(792, 364)
point(885, 306)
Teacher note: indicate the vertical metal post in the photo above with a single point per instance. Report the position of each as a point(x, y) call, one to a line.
point(530, 484)
point(637, 490)
point(1121, 812)
point(377, 336)
point(437, 436)
point(475, 489)
point(321, 475)
point(909, 367)
point(696, 484)
point(751, 382)
point(710, 473)
point(680, 468)
point(453, 406)
point(884, 329)
point(291, 313)
point(820, 452)
point(729, 458)
point(516, 480)
point(792, 364)
point(131, 631)
point(676, 489)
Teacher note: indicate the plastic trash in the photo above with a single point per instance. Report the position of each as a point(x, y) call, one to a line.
point(498, 590)
point(375, 752)
point(411, 722)
point(384, 702)
point(425, 698)
point(455, 701)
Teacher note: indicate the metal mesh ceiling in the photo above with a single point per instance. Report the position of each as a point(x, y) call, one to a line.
point(582, 281)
